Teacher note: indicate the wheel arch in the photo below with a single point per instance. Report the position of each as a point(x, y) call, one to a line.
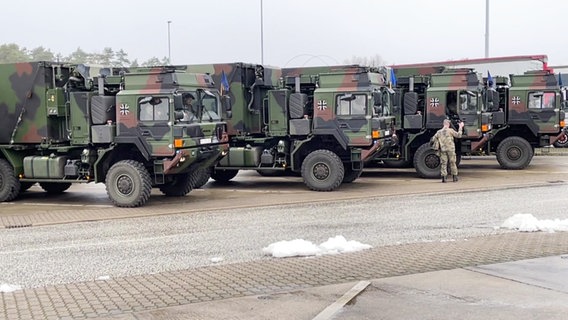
point(108, 157)
point(305, 147)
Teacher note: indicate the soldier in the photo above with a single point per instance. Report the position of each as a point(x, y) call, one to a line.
point(187, 101)
point(188, 111)
point(447, 152)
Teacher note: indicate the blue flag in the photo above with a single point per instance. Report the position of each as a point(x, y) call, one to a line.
point(392, 78)
point(560, 80)
point(224, 82)
point(490, 82)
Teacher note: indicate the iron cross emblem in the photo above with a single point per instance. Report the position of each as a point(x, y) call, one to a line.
point(124, 109)
point(434, 102)
point(516, 100)
point(322, 105)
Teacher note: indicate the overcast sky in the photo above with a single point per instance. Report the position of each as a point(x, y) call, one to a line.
point(296, 32)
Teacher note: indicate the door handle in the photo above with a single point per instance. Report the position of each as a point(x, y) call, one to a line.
point(343, 125)
point(146, 133)
point(534, 116)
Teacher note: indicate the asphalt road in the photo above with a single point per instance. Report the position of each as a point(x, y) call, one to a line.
point(63, 253)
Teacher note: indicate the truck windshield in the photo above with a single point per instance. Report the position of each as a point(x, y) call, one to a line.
point(210, 103)
point(198, 105)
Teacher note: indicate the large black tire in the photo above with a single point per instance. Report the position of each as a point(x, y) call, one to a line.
point(201, 177)
point(562, 142)
point(221, 175)
point(55, 187)
point(322, 170)
point(427, 162)
point(514, 153)
point(128, 184)
point(180, 185)
point(349, 174)
point(397, 164)
point(9, 183)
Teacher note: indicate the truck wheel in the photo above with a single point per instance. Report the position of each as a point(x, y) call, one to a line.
point(223, 175)
point(54, 187)
point(322, 170)
point(514, 153)
point(180, 185)
point(9, 183)
point(562, 142)
point(350, 175)
point(128, 184)
point(427, 162)
point(201, 177)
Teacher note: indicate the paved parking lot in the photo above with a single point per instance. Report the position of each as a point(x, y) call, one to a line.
point(122, 296)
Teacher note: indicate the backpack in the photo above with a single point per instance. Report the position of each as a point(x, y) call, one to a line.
point(434, 143)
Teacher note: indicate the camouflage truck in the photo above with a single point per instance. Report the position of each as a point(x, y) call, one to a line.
point(430, 95)
point(60, 125)
point(320, 123)
point(527, 113)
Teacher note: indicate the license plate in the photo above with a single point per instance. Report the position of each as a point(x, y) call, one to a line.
point(205, 141)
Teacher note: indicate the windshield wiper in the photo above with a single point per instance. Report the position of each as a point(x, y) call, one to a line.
point(209, 114)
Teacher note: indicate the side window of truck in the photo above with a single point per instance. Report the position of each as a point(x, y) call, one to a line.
point(153, 108)
point(351, 104)
point(542, 100)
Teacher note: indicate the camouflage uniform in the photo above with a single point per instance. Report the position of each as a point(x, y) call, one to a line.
point(447, 152)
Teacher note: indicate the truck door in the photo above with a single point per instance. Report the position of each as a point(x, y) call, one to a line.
point(438, 106)
point(469, 111)
point(351, 110)
point(154, 124)
point(544, 111)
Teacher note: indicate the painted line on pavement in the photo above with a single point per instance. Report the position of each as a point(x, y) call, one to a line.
point(332, 309)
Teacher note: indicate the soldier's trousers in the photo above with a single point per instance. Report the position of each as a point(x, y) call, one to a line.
point(445, 157)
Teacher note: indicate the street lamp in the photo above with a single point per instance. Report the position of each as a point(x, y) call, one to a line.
point(169, 44)
point(261, 35)
point(486, 28)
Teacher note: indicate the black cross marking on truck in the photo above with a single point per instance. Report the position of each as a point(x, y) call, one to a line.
point(434, 102)
point(516, 100)
point(124, 109)
point(322, 104)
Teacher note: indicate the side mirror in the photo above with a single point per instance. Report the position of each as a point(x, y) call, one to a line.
point(226, 102)
point(396, 99)
point(377, 98)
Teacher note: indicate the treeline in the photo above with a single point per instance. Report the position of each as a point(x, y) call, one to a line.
point(11, 53)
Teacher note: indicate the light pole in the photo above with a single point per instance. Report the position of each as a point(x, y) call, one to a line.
point(261, 35)
point(169, 44)
point(486, 28)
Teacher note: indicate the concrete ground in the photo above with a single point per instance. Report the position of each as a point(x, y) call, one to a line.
point(511, 276)
point(526, 289)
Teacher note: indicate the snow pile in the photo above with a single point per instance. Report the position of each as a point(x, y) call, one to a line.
point(303, 248)
point(528, 223)
point(4, 287)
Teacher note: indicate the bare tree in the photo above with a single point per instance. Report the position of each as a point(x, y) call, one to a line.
point(373, 61)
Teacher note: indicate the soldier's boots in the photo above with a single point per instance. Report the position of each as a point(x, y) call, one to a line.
point(443, 179)
point(455, 178)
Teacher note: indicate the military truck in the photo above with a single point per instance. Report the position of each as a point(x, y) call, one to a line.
point(322, 124)
point(63, 124)
point(528, 112)
point(509, 130)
